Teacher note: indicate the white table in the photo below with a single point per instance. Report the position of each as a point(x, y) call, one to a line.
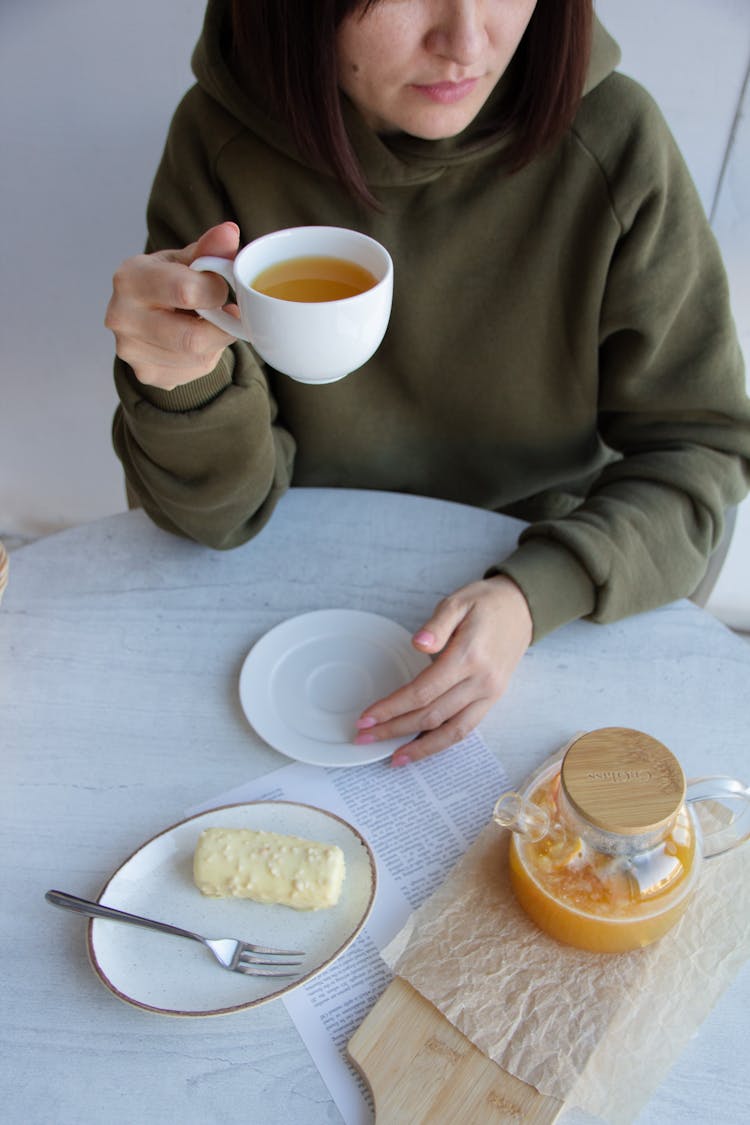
point(120, 648)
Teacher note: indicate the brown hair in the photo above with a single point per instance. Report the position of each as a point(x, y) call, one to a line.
point(292, 43)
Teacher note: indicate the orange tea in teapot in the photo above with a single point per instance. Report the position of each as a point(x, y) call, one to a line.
point(606, 848)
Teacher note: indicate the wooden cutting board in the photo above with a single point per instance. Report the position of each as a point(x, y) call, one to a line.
point(423, 1071)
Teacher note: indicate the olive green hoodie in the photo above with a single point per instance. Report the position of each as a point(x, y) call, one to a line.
point(561, 346)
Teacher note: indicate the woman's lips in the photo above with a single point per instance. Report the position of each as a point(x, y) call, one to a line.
point(446, 93)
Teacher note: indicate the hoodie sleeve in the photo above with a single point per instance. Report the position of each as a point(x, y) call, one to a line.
point(672, 397)
point(207, 460)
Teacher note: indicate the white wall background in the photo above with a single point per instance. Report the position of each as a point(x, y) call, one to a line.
point(87, 88)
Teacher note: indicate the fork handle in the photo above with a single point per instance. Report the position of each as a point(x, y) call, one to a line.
point(96, 910)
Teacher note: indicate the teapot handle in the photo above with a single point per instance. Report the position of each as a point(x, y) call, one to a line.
point(733, 813)
point(521, 816)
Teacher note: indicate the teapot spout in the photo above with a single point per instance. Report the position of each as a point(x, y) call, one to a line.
point(523, 817)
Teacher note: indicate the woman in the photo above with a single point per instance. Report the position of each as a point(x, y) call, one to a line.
point(561, 346)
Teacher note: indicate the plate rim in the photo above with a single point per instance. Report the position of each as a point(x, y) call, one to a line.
point(365, 755)
point(258, 1001)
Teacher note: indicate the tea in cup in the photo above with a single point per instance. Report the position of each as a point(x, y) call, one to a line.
point(314, 301)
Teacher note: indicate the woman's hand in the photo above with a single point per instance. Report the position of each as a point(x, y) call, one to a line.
point(480, 634)
point(152, 311)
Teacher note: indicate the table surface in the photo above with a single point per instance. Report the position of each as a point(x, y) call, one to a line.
point(120, 650)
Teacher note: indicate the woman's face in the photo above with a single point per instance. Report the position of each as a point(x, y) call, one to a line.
point(426, 67)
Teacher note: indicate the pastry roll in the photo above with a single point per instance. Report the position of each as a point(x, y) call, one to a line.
point(268, 867)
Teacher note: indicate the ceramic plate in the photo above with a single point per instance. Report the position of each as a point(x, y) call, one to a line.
point(304, 684)
point(178, 977)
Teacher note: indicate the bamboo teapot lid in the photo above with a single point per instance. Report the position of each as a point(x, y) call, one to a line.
point(623, 781)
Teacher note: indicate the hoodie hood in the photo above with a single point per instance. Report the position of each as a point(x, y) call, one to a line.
point(392, 160)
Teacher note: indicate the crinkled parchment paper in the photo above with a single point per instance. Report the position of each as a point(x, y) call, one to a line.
point(595, 1030)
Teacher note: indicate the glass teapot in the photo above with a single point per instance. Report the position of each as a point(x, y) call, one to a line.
point(606, 842)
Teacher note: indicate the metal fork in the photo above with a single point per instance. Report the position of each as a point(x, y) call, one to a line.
point(236, 956)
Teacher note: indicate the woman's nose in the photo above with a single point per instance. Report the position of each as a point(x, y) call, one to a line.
point(459, 31)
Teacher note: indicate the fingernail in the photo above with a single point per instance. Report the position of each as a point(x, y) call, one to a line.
point(368, 721)
point(400, 759)
point(364, 739)
point(424, 638)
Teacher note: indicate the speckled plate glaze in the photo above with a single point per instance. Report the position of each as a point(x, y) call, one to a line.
point(304, 684)
point(177, 977)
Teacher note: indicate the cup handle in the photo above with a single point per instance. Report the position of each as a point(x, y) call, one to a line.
point(727, 792)
point(225, 268)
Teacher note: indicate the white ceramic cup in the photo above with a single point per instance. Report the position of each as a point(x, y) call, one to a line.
point(313, 342)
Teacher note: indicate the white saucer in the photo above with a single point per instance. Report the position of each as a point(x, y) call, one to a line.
point(180, 978)
point(305, 683)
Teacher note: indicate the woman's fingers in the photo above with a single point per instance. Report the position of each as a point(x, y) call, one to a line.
point(169, 341)
point(432, 742)
point(444, 711)
point(153, 305)
point(399, 720)
point(221, 241)
point(449, 614)
point(480, 633)
point(412, 701)
point(164, 281)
